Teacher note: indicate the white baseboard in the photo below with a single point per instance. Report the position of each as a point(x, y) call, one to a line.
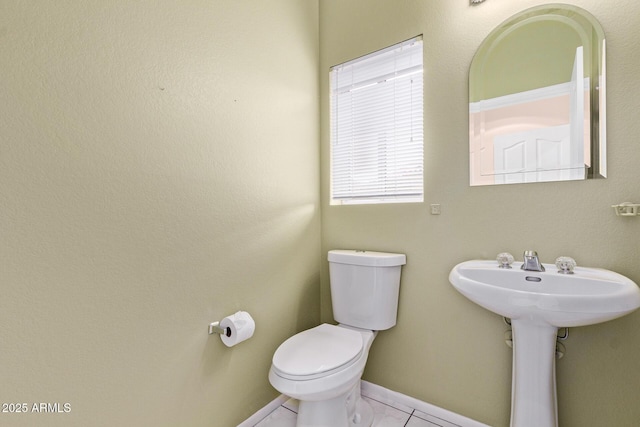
point(262, 413)
point(385, 395)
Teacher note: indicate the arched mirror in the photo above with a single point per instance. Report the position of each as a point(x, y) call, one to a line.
point(537, 99)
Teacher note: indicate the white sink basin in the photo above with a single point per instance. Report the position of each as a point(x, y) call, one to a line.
point(538, 303)
point(586, 297)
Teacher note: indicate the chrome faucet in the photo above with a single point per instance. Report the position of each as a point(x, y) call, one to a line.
point(531, 262)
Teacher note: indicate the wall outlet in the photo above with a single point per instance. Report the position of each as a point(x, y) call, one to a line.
point(435, 209)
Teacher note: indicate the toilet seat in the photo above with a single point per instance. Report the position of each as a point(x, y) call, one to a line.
point(317, 352)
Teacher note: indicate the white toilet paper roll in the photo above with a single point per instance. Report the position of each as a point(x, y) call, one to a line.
point(241, 327)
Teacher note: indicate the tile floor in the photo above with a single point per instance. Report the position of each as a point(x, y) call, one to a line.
point(387, 414)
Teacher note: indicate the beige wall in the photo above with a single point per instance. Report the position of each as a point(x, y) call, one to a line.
point(446, 350)
point(158, 171)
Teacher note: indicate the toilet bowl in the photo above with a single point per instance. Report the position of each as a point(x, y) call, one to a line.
point(322, 366)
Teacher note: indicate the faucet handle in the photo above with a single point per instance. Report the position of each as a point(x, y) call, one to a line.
point(565, 264)
point(505, 259)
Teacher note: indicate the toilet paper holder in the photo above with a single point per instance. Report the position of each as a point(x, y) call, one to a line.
point(234, 328)
point(214, 328)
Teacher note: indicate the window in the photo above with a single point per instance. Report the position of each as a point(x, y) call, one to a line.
point(377, 127)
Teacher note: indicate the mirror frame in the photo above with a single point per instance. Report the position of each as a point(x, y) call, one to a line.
point(590, 31)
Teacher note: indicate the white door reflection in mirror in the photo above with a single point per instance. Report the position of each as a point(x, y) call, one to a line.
point(580, 154)
point(538, 155)
point(555, 153)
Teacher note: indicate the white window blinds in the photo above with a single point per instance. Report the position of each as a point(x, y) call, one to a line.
point(377, 127)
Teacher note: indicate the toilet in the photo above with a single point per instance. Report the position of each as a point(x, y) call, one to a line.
point(322, 366)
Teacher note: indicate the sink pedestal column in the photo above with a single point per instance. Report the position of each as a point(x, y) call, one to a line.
point(533, 386)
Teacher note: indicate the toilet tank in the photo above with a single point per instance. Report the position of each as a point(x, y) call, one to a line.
point(365, 287)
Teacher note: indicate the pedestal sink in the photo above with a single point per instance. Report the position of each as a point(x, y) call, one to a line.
point(538, 303)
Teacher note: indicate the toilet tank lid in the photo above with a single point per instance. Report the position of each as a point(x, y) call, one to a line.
point(368, 258)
